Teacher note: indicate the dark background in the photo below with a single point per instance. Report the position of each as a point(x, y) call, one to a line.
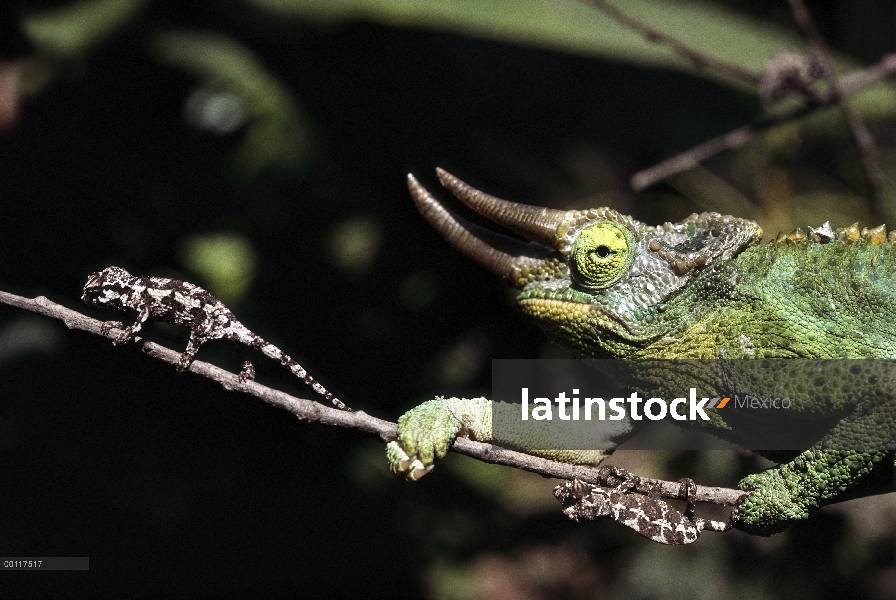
point(175, 488)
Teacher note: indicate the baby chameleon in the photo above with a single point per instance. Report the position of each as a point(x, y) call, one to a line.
point(182, 303)
point(648, 515)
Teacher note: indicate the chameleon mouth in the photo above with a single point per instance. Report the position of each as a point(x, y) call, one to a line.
point(554, 310)
point(503, 255)
point(576, 314)
point(579, 324)
point(562, 296)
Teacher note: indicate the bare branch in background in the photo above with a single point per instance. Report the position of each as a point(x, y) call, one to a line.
point(699, 58)
point(740, 136)
point(837, 93)
point(868, 150)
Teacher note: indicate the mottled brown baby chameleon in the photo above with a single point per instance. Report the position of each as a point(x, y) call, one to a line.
point(182, 303)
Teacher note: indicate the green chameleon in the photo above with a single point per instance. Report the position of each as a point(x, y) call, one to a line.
point(607, 286)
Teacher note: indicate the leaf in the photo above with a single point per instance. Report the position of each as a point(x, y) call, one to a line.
point(226, 261)
point(572, 26)
point(568, 25)
point(72, 30)
point(276, 134)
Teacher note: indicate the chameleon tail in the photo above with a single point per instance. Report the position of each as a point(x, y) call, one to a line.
point(274, 352)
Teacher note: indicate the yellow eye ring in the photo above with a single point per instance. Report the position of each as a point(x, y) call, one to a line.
point(602, 254)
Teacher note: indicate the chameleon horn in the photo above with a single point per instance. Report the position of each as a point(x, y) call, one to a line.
point(532, 222)
point(497, 253)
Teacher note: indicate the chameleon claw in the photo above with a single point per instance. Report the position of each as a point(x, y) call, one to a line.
point(182, 364)
point(108, 326)
point(248, 372)
point(399, 462)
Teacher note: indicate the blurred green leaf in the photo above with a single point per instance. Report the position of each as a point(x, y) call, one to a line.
point(276, 135)
point(70, 31)
point(355, 243)
point(226, 261)
point(574, 26)
point(569, 25)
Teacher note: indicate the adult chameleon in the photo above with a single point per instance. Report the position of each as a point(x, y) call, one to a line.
point(607, 286)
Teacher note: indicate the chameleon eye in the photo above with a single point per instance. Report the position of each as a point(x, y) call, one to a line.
point(602, 254)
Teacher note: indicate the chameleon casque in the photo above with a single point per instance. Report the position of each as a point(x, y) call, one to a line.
point(607, 286)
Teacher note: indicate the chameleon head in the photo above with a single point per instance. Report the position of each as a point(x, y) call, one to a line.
point(595, 280)
point(104, 288)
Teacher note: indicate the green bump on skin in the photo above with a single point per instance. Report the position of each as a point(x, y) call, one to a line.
point(607, 286)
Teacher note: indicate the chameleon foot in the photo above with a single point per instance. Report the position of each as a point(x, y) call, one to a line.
point(401, 463)
point(425, 433)
point(108, 326)
point(247, 373)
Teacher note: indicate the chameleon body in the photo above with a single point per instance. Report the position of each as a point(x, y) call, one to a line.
point(607, 286)
point(648, 515)
point(182, 303)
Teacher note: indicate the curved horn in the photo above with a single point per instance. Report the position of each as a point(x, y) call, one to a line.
point(497, 253)
point(534, 223)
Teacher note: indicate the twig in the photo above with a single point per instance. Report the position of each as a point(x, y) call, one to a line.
point(867, 149)
point(740, 136)
point(314, 412)
point(700, 59)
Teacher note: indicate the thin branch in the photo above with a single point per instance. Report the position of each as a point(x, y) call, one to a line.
point(867, 149)
point(699, 58)
point(314, 412)
point(740, 136)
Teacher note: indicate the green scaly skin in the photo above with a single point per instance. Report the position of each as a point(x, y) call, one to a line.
point(704, 289)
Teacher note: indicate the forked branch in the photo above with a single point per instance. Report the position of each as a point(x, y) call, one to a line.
point(740, 136)
point(837, 92)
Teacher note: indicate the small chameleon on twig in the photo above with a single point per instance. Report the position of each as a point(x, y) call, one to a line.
point(648, 515)
point(182, 303)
